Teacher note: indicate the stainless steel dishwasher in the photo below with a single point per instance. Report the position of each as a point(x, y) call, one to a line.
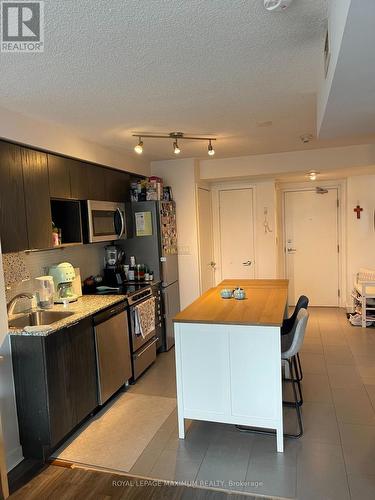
point(112, 350)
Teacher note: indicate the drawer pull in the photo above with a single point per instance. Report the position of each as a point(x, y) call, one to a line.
point(145, 349)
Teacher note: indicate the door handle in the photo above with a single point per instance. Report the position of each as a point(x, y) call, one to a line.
point(247, 263)
point(213, 264)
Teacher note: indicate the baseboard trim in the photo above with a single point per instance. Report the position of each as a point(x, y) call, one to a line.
point(14, 457)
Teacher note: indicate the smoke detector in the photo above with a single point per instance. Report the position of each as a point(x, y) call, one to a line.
point(277, 5)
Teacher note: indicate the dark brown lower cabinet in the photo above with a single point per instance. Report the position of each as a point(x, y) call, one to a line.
point(56, 386)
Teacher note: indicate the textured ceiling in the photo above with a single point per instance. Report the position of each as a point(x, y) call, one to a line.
point(199, 66)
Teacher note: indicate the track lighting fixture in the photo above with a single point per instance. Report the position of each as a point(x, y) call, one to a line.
point(176, 149)
point(139, 147)
point(176, 136)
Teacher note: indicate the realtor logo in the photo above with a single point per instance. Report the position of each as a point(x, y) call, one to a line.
point(22, 26)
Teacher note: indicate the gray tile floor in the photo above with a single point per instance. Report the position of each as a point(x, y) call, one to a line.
point(335, 459)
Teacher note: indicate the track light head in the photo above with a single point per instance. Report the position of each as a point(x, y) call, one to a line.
point(176, 149)
point(210, 148)
point(139, 147)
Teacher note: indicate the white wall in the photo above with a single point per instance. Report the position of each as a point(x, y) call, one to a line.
point(7, 398)
point(360, 232)
point(266, 243)
point(182, 176)
point(55, 138)
point(359, 235)
point(296, 161)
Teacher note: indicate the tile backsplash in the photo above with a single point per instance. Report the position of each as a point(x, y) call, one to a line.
point(15, 268)
point(20, 269)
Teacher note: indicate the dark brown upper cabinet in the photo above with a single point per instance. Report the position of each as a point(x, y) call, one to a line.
point(74, 179)
point(13, 232)
point(97, 183)
point(37, 199)
point(79, 179)
point(117, 185)
point(59, 176)
point(30, 178)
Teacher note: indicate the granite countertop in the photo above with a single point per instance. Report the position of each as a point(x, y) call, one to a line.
point(85, 306)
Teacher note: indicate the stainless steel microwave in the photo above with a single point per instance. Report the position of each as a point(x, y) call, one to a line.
point(105, 221)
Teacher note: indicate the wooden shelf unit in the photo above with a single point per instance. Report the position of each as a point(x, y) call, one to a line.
point(362, 292)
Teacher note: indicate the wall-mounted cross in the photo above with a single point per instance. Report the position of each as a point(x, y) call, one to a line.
point(358, 210)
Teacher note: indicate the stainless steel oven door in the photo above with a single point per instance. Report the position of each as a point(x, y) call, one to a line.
point(106, 221)
point(137, 340)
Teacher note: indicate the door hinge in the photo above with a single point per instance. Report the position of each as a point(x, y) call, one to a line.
point(338, 293)
point(338, 203)
point(338, 248)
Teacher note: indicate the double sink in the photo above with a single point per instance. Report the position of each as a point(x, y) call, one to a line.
point(38, 318)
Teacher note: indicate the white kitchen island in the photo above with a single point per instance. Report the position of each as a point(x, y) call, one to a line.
point(228, 357)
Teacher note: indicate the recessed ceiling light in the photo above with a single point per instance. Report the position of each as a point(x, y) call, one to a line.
point(312, 175)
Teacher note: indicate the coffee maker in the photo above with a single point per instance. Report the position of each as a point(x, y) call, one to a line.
point(63, 275)
point(113, 272)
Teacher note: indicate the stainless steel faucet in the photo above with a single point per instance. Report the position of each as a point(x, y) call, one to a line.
point(12, 303)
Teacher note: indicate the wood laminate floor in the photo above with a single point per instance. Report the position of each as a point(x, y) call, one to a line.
point(81, 484)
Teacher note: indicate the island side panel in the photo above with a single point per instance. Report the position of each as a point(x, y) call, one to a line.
point(254, 372)
point(255, 377)
point(203, 372)
point(229, 373)
point(179, 385)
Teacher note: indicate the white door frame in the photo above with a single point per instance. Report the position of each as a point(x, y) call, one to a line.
point(206, 188)
point(341, 227)
point(225, 186)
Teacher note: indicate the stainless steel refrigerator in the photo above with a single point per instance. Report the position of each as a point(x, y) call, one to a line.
point(153, 242)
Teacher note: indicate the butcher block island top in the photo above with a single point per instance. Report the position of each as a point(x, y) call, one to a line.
point(264, 305)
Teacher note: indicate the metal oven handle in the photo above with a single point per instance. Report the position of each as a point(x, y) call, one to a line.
point(146, 348)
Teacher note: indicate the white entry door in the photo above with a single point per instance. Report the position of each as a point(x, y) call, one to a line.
point(311, 246)
point(236, 233)
point(206, 250)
